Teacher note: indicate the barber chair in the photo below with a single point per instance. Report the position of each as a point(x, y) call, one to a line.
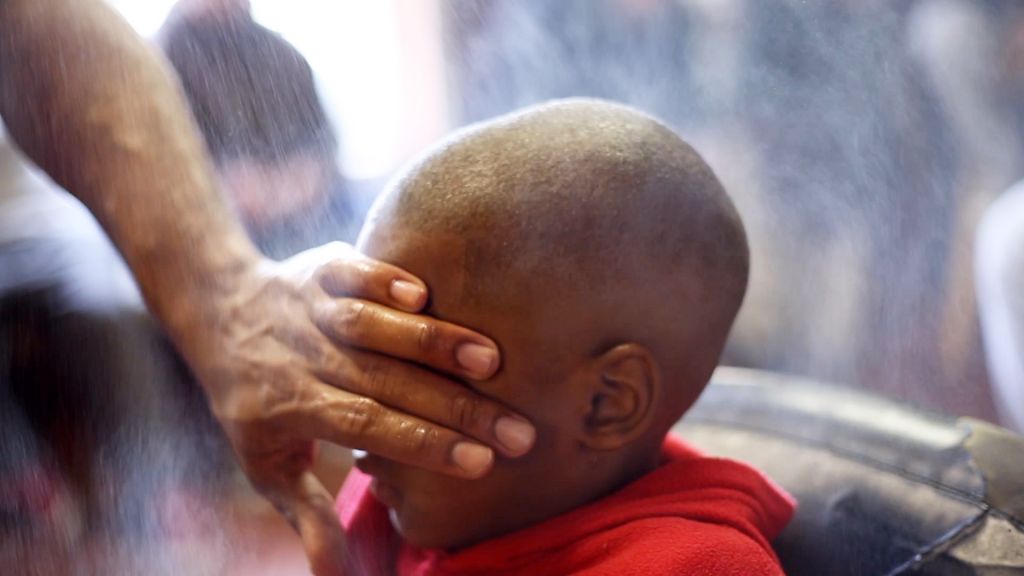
point(882, 489)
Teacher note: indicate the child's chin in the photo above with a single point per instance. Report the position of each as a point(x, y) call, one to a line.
point(425, 535)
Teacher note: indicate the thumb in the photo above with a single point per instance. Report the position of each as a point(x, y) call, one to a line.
point(309, 508)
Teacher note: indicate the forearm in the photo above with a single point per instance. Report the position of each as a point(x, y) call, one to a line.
point(99, 111)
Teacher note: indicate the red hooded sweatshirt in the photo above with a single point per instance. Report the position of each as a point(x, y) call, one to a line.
point(693, 515)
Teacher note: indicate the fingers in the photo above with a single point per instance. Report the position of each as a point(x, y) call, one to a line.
point(309, 508)
point(413, 390)
point(381, 326)
point(440, 345)
point(365, 424)
point(354, 275)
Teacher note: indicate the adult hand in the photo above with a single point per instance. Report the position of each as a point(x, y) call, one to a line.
point(285, 354)
point(314, 349)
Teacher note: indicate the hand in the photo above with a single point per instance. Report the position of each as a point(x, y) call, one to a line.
point(313, 348)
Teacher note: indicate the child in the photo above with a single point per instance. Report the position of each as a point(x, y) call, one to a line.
point(602, 254)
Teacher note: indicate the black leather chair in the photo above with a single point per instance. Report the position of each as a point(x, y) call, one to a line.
point(883, 489)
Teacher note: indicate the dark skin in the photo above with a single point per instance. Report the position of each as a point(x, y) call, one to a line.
point(594, 405)
point(315, 348)
point(603, 255)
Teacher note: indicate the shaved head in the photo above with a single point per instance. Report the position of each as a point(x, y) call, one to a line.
point(591, 204)
point(600, 253)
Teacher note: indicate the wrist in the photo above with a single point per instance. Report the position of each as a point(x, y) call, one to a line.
point(205, 291)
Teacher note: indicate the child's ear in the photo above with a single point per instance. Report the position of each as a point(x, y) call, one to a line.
point(625, 384)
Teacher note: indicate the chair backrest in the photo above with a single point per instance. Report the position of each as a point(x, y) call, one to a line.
point(882, 489)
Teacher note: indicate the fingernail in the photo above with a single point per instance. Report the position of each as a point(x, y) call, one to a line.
point(474, 459)
point(476, 358)
point(407, 294)
point(515, 435)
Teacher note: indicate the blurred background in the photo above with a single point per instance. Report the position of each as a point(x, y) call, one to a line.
point(864, 142)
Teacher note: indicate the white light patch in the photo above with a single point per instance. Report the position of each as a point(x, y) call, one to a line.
point(146, 16)
point(355, 50)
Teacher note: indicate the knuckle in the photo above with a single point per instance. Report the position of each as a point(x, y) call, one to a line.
point(465, 413)
point(350, 319)
point(272, 398)
point(349, 276)
point(430, 338)
point(360, 416)
point(307, 341)
point(320, 355)
point(324, 274)
point(364, 273)
point(314, 347)
point(422, 439)
point(376, 378)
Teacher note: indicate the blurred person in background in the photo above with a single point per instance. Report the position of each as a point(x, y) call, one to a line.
point(255, 100)
point(973, 54)
point(999, 266)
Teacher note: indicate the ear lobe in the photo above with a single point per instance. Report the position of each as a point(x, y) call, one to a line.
point(622, 397)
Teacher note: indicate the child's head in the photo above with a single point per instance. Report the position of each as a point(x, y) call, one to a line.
point(603, 256)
